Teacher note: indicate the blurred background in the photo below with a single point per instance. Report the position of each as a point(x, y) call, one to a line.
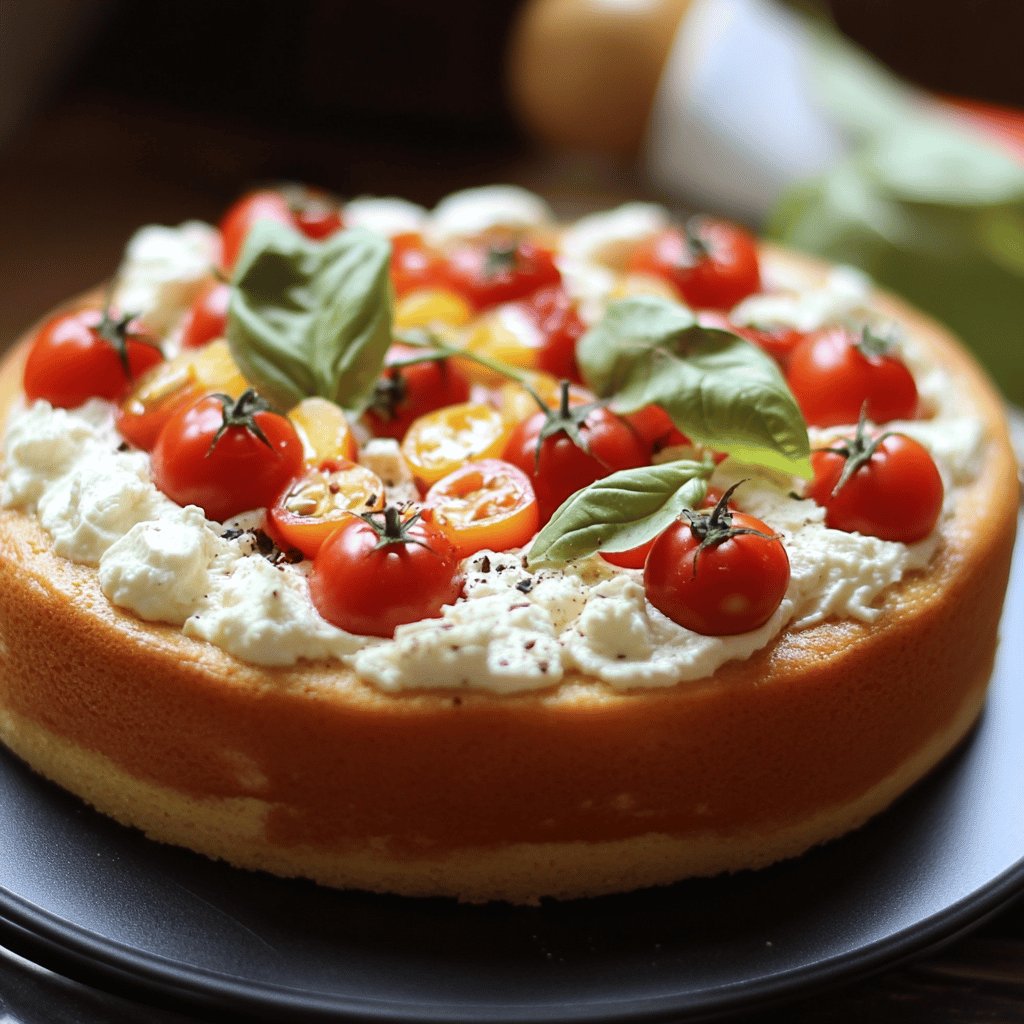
point(883, 134)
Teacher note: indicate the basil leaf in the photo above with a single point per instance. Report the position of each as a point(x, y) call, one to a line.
point(620, 511)
point(311, 318)
point(719, 389)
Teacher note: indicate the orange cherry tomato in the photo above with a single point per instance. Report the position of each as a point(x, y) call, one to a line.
point(316, 503)
point(485, 504)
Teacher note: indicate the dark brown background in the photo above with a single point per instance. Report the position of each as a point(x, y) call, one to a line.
point(166, 111)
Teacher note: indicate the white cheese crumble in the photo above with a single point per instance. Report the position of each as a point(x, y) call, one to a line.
point(512, 631)
point(385, 216)
point(480, 211)
point(609, 238)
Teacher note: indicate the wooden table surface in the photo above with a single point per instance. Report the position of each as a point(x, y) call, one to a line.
point(77, 184)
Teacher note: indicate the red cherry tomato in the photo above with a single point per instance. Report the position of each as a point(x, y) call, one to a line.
point(833, 372)
point(712, 264)
point(406, 393)
point(209, 454)
point(729, 586)
point(371, 577)
point(208, 317)
point(563, 467)
point(488, 274)
point(895, 493)
point(415, 266)
point(655, 427)
point(485, 504)
point(82, 355)
point(312, 506)
point(313, 213)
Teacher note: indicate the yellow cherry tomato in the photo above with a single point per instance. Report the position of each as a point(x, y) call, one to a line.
point(324, 430)
point(441, 441)
point(516, 404)
point(644, 284)
point(508, 334)
point(431, 307)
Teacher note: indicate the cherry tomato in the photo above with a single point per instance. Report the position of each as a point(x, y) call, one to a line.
point(167, 387)
point(375, 573)
point(833, 372)
point(403, 394)
point(325, 431)
point(312, 212)
point(655, 427)
point(562, 467)
point(485, 504)
point(211, 454)
point(713, 264)
point(895, 491)
point(415, 266)
point(560, 327)
point(208, 317)
point(732, 584)
point(316, 503)
point(85, 354)
point(442, 440)
point(501, 271)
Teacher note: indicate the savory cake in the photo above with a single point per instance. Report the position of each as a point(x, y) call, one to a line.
point(537, 724)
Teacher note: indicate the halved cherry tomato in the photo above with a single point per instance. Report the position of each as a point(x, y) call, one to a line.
point(324, 429)
point(86, 354)
point(712, 264)
point(403, 394)
point(895, 492)
point(416, 266)
point(211, 454)
point(373, 574)
point(558, 466)
point(485, 504)
point(432, 309)
point(501, 271)
point(710, 576)
point(208, 317)
point(316, 503)
point(833, 372)
point(441, 441)
point(316, 214)
point(168, 387)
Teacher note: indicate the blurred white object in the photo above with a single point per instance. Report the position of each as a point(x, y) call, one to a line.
point(733, 125)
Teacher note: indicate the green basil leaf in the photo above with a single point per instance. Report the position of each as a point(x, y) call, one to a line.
point(311, 318)
point(620, 511)
point(719, 389)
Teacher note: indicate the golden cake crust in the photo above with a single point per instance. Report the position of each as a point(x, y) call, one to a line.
point(574, 791)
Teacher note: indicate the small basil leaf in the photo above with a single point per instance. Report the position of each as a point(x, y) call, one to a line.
point(620, 511)
point(718, 388)
point(311, 318)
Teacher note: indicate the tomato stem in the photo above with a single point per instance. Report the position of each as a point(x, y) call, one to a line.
point(716, 528)
point(391, 528)
point(241, 413)
point(857, 450)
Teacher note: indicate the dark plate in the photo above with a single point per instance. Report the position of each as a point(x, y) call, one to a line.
point(100, 903)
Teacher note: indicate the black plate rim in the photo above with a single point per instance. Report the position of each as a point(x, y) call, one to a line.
point(98, 957)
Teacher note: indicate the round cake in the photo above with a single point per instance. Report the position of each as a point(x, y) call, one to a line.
point(617, 748)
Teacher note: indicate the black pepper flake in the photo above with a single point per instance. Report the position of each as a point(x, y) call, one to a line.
point(371, 501)
point(518, 605)
point(485, 564)
point(543, 665)
point(123, 446)
point(529, 645)
point(524, 586)
point(232, 534)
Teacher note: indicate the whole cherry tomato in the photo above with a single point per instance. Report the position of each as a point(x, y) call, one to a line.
point(415, 266)
point(655, 427)
point(380, 570)
point(713, 264)
point(485, 504)
point(405, 393)
point(501, 271)
point(833, 372)
point(207, 319)
point(888, 487)
point(315, 504)
point(719, 573)
point(87, 354)
point(559, 326)
point(316, 214)
point(565, 449)
point(778, 342)
point(226, 456)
